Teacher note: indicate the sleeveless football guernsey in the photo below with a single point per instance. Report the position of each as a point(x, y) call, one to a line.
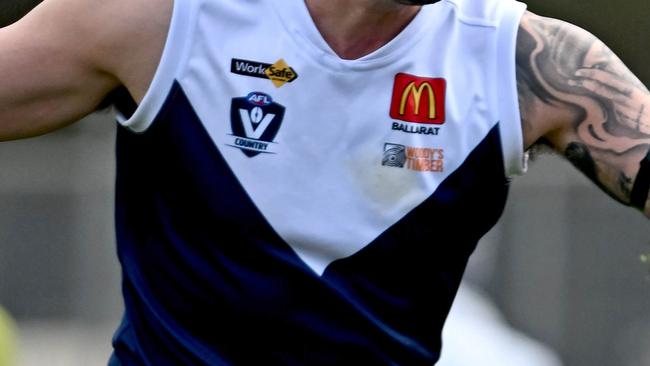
point(278, 205)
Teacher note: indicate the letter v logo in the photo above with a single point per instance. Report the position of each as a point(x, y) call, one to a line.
point(255, 122)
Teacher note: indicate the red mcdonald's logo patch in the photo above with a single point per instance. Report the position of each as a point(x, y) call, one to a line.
point(418, 99)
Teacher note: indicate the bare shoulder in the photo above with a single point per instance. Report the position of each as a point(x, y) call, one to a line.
point(123, 38)
point(101, 28)
point(577, 96)
point(550, 55)
point(133, 41)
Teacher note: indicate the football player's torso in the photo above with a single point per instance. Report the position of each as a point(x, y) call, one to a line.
point(277, 174)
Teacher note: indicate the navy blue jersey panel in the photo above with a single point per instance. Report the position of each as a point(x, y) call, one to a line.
point(125, 350)
point(422, 258)
point(207, 281)
point(193, 296)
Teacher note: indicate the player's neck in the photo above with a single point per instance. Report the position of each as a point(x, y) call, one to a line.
point(354, 28)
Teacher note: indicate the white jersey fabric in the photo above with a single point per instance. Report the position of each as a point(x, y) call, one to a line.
point(332, 154)
point(323, 184)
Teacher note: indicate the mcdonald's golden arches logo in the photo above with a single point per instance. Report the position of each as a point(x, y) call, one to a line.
point(418, 99)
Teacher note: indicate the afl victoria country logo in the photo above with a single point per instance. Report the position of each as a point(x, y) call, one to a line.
point(255, 120)
point(418, 99)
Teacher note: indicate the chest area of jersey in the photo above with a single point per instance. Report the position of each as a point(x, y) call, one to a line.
point(333, 159)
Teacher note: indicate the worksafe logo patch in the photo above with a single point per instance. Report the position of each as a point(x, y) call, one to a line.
point(419, 159)
point(279, 73)
point(255, 120)
point(418, 100)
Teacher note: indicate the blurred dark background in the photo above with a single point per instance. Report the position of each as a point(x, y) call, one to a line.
point(622, 25)
point(563, 265)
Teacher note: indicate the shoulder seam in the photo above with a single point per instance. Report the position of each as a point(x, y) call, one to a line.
point(472, 21)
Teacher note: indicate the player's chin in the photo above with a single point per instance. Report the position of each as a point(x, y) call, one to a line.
point(416, 2)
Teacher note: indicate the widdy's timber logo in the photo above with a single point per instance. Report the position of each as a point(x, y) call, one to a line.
point(255, 120)
point(279, 73)
point(418, 100)
point(420, 159)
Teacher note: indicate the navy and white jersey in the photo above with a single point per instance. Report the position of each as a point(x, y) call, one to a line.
point(279, 205)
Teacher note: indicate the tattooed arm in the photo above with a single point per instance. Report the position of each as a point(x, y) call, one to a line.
point(578, 97)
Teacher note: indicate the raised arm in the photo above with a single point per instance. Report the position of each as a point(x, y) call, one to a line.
point(59, 62)
point(577, 96)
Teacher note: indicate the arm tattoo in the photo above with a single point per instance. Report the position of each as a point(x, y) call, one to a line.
point(563, 69)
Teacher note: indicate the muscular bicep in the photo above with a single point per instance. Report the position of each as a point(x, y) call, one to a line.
point(47, 77)
point(577, 96)
point(60, 61)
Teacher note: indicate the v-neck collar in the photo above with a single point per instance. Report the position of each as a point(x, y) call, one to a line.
point(298, 22)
